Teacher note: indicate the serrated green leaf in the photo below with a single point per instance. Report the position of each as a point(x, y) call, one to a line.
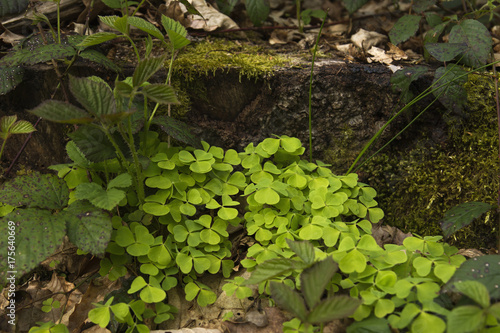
point(145, 26)
point(354, 5)
point(177, 40)
point(178, 130)
point(97, 38)
point(146, 69)
point(450, 88)
point(404, 28)
point(461, 216)
point(22, 127)
point(333, 308)
point(402, 79)
point(468, 318)
point(476, 291)
point(314, 279)
point(61, 112)
point(94, 96)
point(288, 299)
point(95, 145)
point(48, 52)
point(121, 181)
point(160, 93)
point(270, 269)
point(257, 10)
point(88, 228)
point(99, 58)
point(8, 7)
point(445, 51)
point(477, 39)
point(304, 250)
point(38, 234)
point(10, 77)
point(35, 190)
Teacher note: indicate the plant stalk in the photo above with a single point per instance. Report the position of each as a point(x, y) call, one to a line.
point(310, 87)
point(498, 119)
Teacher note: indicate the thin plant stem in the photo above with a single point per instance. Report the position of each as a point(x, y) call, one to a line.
point(310, 89)
point(498, 119)
point(3, 146)
point(434, 87)
point(59, 21)
point(399, 133)
point(299, 18)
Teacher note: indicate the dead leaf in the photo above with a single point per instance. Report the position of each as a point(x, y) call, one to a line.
point(9, 37)
point(396, 53)
point(367, 39)
point(386, 234)
point(96, 292)
point(212, 19)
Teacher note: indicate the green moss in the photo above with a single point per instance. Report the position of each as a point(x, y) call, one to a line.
point(417, 188)
point(215, 55)
point(340, 155)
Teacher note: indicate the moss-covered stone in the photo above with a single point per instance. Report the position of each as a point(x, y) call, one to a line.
point(212, 55)
point(417, 188)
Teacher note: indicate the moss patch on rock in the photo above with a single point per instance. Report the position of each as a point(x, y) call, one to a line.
point(416, 188)
point(212, 55)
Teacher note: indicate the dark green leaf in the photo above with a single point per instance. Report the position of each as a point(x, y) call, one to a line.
point(88, 228)
point(146, 69)
point(10, 77)
point(288, 299)
point(257, 11)
point(371, 325)
point(178, 130)
point(61, 112)
point(477, 38)
point(226, 6)
point(177, 40)
point(99, 58)
point(354, 5)
point(333, 308)
point(145, 26)
point(97, 38)
point(93, 143)
point(462, 215)
point(76, 155)
point(123, 88)
point(304, 250)
point(421, 5)
point(171, 24)
point(476, 291)
point(160, 93)
point(38, 234)
point(35, 190)
point(404, 28)
point(48, 52)
point(313, 280)
point(270, 269)
point(403, 78)
point(484, 269)
point(94, 96)
point(445, 51)
point(8, 7)
point(450, 89)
